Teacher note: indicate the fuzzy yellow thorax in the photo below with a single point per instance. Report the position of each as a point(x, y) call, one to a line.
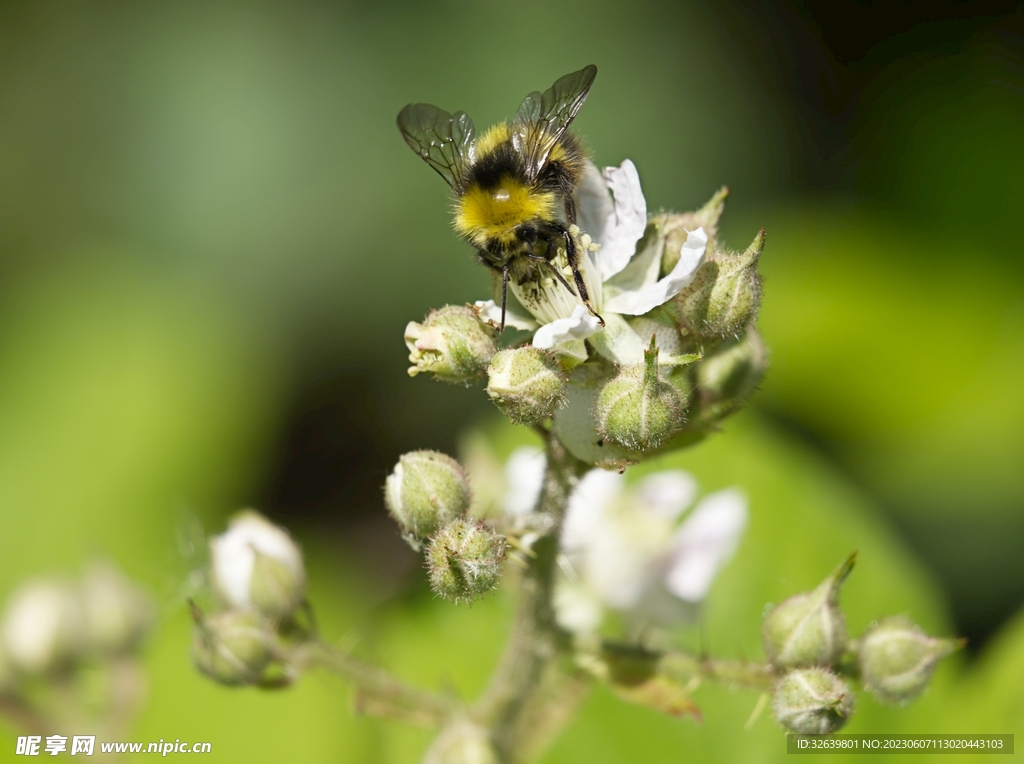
point(484, 215)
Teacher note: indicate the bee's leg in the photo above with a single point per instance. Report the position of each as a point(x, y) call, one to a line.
point(570, 208)
point(504, 295)
point(573, 256)
point(555, 271)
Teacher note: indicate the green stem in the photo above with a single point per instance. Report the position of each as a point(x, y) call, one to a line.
point(380, 692)
point(512, 697)
point(747, 674)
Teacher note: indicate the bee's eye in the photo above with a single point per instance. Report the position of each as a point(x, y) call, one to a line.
point(528, 234)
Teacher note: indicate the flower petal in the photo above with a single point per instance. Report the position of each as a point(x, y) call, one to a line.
point(594, 206)
point(233, 555)
point(666, 494)
point(586, 506)
point(489, 310)
point(577, 607)
point(618, 342)
point(704, 542)
point(647, 298)
point(524, 473)
point(578, 326)
point(626, 224)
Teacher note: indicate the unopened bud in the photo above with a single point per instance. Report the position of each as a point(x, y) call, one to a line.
point(812, 701)
point(42, 628)
point(117, 613)
point(808, 629)
point(462, 742)
point(452, 343)
point(897, 659)
point(728, 377)
point(464, 560)
point(256, 565)
point(725, 294)
point(233, 647)
point(638, 409)
point(526, 383)
point(426, 490)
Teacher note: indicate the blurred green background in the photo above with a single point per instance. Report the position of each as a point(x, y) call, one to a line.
point(212, 237)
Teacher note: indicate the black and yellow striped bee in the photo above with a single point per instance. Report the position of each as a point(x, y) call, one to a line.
point(513, 186)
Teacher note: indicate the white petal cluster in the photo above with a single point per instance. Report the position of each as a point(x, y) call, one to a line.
point(635, 550)
point(233, 557)
point(623, 280)
point(42, 626)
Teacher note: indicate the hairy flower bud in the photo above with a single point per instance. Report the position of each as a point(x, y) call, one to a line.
point(117, 613)
point(42, 627)
point(256, 564)
point(462, 742)
point(638, 409)
point(725, 294)
point(452, 343)
point(464, 560)
point(808, 629)
point(897, 659)
point(728, 377)
point(426, 490)
point(526, 383)
point(232, 647)
point(812, 701)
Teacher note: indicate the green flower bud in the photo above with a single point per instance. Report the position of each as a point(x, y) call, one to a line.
point(42, 627)
point(725, 294)
point(452, 343)
point(464, 560)
point(233, 647)
point(424, 491)
point(897, 659)
point(808, 629)
point(256, 565)
point(462, 742)
point(812, 701)
point(117, 613)
point(638, 409)
point(727, 378)
point(527, 384)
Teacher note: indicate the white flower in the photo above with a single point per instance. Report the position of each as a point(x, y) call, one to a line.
point(635, 550)
point(524, 474)
point(42, 626)
point(623, 281)
point(117, 613)
point(256, 565)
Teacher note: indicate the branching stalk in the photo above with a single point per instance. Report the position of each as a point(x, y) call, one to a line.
point(381, 693)
point(534, 642)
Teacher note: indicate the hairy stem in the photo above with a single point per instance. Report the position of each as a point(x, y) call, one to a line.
point(379, 692)
point(731, 673)
point(516, 690)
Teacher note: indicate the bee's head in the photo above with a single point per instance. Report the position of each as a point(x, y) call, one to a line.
point(527, 234)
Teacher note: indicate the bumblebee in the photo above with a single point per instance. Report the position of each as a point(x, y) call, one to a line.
point(513, 186)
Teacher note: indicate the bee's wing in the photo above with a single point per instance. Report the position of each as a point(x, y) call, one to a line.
point(543, 117)
point(442, 140)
